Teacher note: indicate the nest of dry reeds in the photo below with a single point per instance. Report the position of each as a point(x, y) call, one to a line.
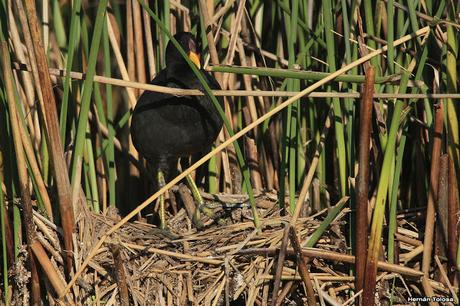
point(228, 262)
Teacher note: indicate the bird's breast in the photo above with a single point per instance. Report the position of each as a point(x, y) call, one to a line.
point(178, 127)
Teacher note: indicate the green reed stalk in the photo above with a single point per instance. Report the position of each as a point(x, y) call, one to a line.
point(382, 192)
point(58, 25)
point(91, 175)
point(9, 176)
point(87, 89)
point(289, 146)
point(300, 74)
point(71, 47)
point(390, 36)
point(393, 201)
point(338, 123)
point(369, 23)
point(3, 217)
point(452, 108)
point(332, 214)
point(108, 144)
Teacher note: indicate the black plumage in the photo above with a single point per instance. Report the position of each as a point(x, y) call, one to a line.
point(165, 127)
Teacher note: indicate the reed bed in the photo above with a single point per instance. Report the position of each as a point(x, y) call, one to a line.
point(334, 180)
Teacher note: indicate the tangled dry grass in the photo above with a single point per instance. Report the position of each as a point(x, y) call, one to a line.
point(225, 263)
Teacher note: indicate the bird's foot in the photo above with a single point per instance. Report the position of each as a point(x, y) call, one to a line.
point(196, 219)
point(161, 211)
point(200, 207)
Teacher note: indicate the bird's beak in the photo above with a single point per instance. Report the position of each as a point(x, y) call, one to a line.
point(195, 58)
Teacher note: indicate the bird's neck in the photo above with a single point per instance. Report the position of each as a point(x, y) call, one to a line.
point(179, 71)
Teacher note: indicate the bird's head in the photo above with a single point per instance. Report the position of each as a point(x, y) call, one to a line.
point(188, 42)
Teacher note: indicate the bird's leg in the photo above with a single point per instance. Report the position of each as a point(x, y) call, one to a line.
point(200, 203)
point(161, 183)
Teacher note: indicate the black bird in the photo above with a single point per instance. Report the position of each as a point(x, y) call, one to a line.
point(165, 127)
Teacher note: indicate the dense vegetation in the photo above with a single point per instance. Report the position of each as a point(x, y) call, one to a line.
point(64, 137)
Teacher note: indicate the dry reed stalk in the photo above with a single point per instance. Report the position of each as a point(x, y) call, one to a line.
point(224, 157)
point(134, 63)
point(120, 275)
point(408, 240)
point(225, 168)
point(29, 151)
point(406, 257)
point(432, 195)
point(20, 56)
point(280, 264)
point(358, 294)
point(235, 30)
point(266, 165)
point(205, 12)
point(35, 248)
point(149, 43)
point(219, 292)
point(210, 292)
point(295, 276)
point(139, 43)
point(266, 287)
point(452, 236)
point(112, 30)
point(321, 293)
point(210, 7)
point(445, 278)
point(130, 43)
point(329, 299)
point(253, 164)
point(311, 171)
point(284, 292)
point(54, 141)
point(22, 170)
point(29, 119)
point(426, 17)
point(253, 289)
point(33, 64)
point(248, 86)
point(335, 256)
point(440, 240)
point(302, 266)
point(249, 271)
point(55, 278)
point(182, 256)
point(362, 184)
point(50, 249)
point(188, 201)
point(29, 45)
point(306, 91)
point(129, 85)
point(34, 279)
point(227, 283)
point(428, 288)
point(222, 11)
point(209, 36)
point(45, 24)
point(232, 173)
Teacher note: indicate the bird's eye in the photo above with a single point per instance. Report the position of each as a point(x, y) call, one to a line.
point(192, 45)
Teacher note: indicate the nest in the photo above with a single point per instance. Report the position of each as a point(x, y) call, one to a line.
point(222, 264)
